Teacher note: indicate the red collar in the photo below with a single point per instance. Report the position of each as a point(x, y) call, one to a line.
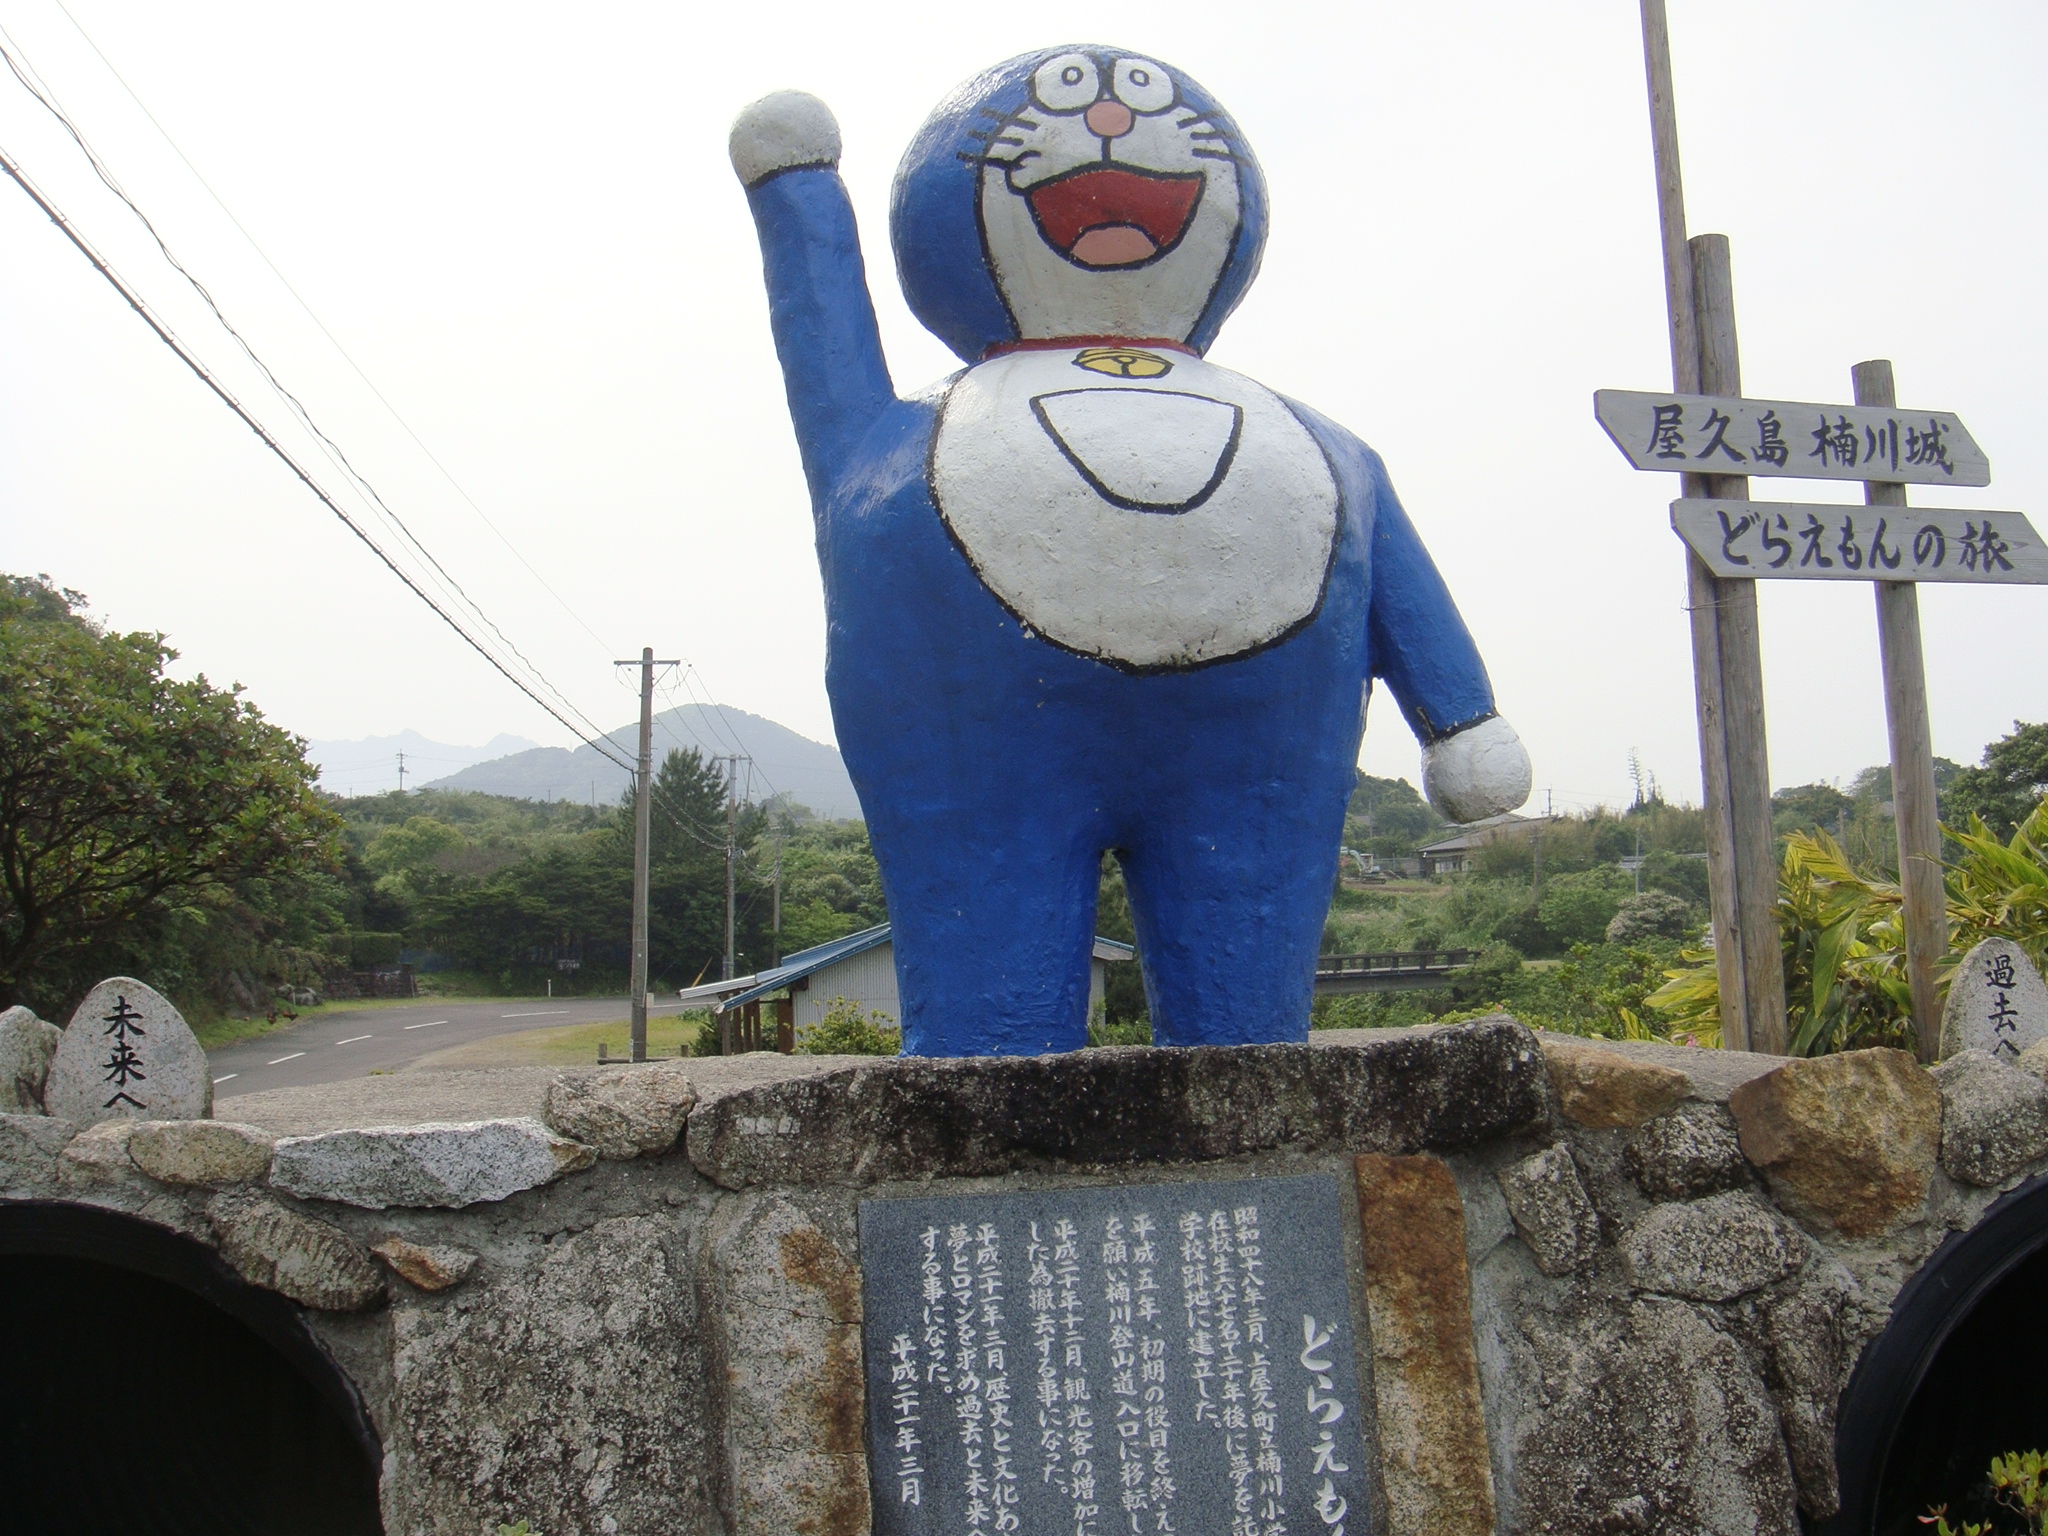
point(1067, 343)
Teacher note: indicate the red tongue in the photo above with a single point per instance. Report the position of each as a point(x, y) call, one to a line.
point(1107, 197)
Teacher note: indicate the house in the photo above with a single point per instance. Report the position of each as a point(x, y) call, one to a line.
point(860, 968)
point(1453, 855)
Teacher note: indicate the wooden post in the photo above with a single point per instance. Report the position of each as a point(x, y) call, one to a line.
point(1742, 685)
point(1727, 670)
point(1912, 742)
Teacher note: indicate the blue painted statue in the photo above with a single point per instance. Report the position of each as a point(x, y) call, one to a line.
point(1092, 592)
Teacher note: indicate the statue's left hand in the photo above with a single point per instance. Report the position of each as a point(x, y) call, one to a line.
point(781, 132)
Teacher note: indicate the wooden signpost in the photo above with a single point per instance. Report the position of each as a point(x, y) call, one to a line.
point(1706, 430)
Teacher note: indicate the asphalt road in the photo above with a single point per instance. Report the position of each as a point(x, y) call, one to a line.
point(337, 1043)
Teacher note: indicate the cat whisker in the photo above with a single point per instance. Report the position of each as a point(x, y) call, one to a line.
point(1211, 133)
point(1205, 153)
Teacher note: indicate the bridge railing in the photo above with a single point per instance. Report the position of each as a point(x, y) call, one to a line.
point(1407, 961)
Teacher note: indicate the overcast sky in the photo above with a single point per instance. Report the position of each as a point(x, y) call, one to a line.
point(520, 222)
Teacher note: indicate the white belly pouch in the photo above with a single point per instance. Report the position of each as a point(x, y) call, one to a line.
point(1143, 507)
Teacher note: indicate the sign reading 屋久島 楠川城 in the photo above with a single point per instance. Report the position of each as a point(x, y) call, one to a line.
point(1113, 1361)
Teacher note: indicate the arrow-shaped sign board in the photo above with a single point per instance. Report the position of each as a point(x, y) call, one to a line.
point(1767, 539)
point(1710, 435)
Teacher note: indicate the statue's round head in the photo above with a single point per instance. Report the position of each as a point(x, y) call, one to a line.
point(1077, 192)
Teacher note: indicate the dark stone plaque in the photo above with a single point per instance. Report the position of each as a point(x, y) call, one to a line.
point(1151, 1360)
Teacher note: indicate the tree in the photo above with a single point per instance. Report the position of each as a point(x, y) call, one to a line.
point(130, 803)
point(2011, 781)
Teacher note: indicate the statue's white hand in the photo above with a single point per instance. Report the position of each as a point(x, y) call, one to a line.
point(1478, 772)
point(781, 132)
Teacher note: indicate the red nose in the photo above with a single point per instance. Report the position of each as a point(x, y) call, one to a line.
point(1110, 119)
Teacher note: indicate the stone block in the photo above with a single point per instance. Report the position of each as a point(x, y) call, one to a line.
point(1442, 1089)
point(26, 1046)
point(1434, 1457)
point(622, 1112)
point(1690, 1152)
point(784, 1297)
point(312, 1262)
point(99, 1152)
point(29, 1148)
point(429, 1267)
point(1714, 1249)
point(1603, 1090)
point(1809, 1367)
point(436, 1164)
point(1997, 1003)
point(570, 1392)
point(204, 1152)
point(127, 1053)
point(1652, 1421)
point(1994, 1118)
point(1848, 1142)
point(1552, 1211)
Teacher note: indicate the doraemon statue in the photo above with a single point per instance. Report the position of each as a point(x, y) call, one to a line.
point(1093, 592)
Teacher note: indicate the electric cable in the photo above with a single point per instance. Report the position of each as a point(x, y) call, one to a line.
point(163, 332)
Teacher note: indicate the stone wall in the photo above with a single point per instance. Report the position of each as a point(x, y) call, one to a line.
point(1612, 1288)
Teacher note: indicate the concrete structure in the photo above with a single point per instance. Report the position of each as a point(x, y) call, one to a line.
point(860, 968)
point(1595, 1286)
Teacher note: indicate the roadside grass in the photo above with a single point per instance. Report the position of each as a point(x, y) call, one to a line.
point(569, 1045)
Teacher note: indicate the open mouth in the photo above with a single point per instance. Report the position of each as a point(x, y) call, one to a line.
point(1114, 216)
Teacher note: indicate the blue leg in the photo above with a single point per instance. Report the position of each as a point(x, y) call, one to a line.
point(1229, 894)
point(993, 918)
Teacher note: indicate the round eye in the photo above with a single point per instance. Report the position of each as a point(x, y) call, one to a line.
point(1068, 83)
point(1143, 86)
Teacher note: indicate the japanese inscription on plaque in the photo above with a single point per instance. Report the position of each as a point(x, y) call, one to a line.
point(1996, 1002)
point(1846, 543)
point(1131, 1361)
point(1711, 435)
point(127, 1054)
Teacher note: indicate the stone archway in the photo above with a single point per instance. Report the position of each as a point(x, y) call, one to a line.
point(144, 1387)
point(1955, 1378)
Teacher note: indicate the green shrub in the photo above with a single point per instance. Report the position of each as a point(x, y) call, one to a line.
point(850, 1030)
point(1652, 915)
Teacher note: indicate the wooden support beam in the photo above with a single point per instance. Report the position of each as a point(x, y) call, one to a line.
point(1912, 743)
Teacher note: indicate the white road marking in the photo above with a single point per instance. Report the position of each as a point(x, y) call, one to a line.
point(426, 1026)
point(542, 1014)
point(295, 1055)
point(224, 1079)
point(352, 1039)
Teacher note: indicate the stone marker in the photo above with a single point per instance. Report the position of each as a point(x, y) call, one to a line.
point(1994, 1118)
point(995, 1315)
point(431, 1267)
point(1848, 1142)
point(1996, 1003)
point(312, 1262)
point(623, 1112)
point(203, 1152)
point(425, 1165)
point(1418, 1299)
point(128, 1053)
point(26, 1046)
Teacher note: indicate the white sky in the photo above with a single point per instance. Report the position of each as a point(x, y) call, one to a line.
point(520, 221)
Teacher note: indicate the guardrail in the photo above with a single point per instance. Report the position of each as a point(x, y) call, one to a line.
point(1396, 972)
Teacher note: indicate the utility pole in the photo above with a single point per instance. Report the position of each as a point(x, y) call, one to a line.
point(775, 944)
point(643, 806)
point(401, 773)
point(732, 810)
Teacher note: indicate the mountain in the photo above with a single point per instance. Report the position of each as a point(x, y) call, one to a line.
point(370, 766)
point(809, 772)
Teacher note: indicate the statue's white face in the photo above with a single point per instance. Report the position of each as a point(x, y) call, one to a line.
point(1108, 206)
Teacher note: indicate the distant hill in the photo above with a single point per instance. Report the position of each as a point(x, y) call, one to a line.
point(370, 766)
point(784, 763)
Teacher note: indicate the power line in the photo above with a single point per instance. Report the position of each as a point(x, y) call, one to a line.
point(368, 383)
point(185, 355)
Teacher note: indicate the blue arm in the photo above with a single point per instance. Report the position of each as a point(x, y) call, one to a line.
point(823, 319)
point(1419, 643)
